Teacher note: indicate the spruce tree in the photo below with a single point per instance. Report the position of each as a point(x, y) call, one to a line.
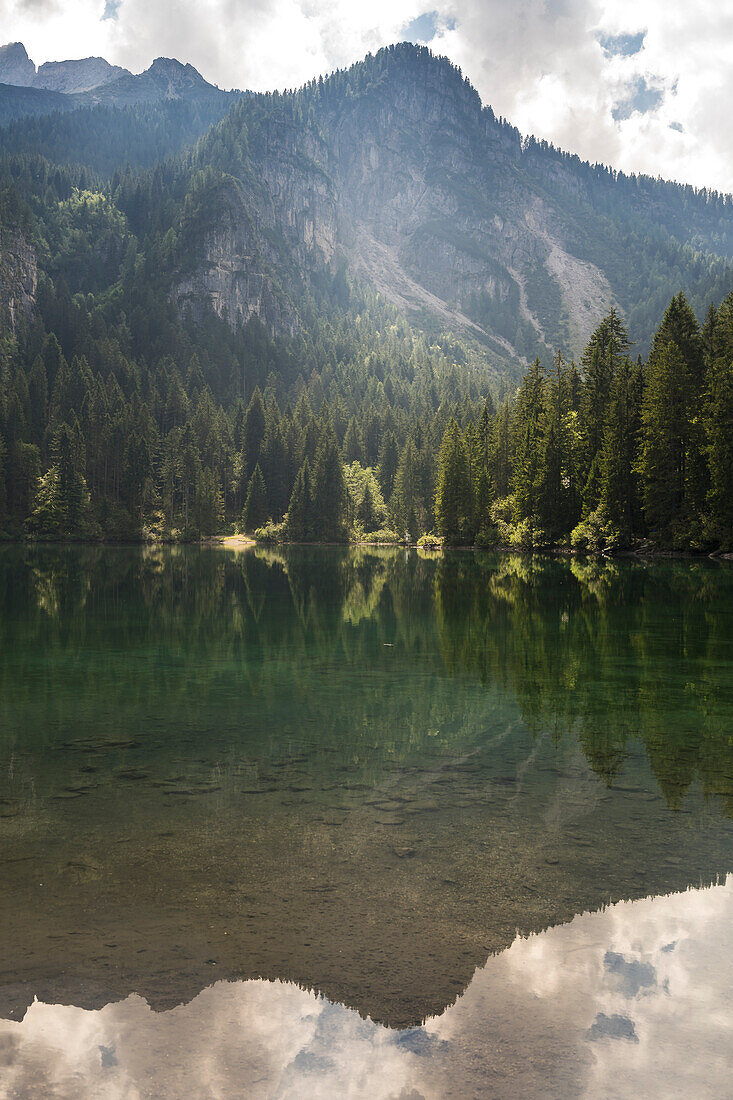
point(720, 452)
point(664, 427)
point(353, 448)
point(528, 430)
point(328, 491)
point(453, 503)
point(404, 505)
point(388, 461)
point(606, 348)
point(300, 507)
point(255, 513)
point(253, 435)
point(619, 483)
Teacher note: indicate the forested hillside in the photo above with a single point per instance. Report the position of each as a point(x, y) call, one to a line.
point(321, 306)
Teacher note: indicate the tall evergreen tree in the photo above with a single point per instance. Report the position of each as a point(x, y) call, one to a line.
point(328, 491)
point(619, 486)
point(255, 513)
point(664, 433)
point(528, 429)
point(453, 500)
point(300, 507)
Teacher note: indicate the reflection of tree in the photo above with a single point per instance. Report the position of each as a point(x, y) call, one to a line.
point(618, 650)
point(612, 652)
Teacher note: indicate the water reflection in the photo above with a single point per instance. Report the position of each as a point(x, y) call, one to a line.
point(631, 1001)
point(362, 771)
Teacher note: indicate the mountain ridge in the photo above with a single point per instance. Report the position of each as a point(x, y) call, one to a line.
point(396, 171)
point(395, 168)
point(92, 81)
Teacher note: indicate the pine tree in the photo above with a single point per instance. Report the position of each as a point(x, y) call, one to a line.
point(619, 485)
point(720, 452)
point(328, 490)
point(453, 503)
point(388, 462)
point(255, 512)
point(300, 507)
point(528, 428)
point(664, 426)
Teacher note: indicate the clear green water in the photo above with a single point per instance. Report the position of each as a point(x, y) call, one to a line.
point(362, 772)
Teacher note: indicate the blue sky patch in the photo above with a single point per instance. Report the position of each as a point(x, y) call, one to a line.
point(641, 97)
point(422, 29)
point(622, 45)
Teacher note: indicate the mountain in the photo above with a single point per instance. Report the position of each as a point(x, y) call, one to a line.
point(395, 169)
point(77, 76)
point(56, 76)
point(218, 307)
point(15, 65)
point(92, 81)
point(394, 172)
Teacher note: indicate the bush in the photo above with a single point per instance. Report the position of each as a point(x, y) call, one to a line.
point(383, 535)
point(527, 536)
point(271, 532)
point(430, 542)
point(594, 534)
point(502, 520)
point(488, 537)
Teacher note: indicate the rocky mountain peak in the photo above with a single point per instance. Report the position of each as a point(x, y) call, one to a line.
point(15, 65)
point(80, 75)
point(77, 76)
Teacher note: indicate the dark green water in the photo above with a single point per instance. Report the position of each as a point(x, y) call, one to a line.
point(361, 772)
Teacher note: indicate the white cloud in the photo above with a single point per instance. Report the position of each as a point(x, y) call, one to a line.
point(537, 62)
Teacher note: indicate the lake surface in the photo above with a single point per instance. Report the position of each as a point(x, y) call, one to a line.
point(316, 822)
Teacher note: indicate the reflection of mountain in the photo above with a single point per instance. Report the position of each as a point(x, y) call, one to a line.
point(633, 1001)
point(358, 771)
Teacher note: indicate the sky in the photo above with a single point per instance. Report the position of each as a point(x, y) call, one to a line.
point(643, 85)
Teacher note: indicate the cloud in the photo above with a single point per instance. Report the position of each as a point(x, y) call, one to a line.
point(643, 85)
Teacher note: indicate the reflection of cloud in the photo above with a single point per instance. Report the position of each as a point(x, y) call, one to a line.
point(543, 1018)
point(631, 974)
point(612, 1027)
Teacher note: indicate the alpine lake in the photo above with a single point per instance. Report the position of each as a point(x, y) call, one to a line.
point(319, 822)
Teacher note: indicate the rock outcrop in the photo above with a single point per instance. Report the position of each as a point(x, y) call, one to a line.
point(16, 66)
point(419, 190)
point(77, 76)
point(18, 279)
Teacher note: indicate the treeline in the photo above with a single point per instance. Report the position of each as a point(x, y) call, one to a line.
point(361, 432)
point(608, 455)
point(120, 420)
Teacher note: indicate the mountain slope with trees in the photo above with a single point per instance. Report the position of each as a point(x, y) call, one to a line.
point(321, 307)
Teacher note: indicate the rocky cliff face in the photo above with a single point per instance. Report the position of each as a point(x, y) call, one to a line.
point(18, 279)
point(419, 190)
point(233, 275)
point(77, 76)
point(92, 80)
point(69, 77)
point(16, 66)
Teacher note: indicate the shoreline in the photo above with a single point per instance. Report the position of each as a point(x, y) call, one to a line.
point(240, 543)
